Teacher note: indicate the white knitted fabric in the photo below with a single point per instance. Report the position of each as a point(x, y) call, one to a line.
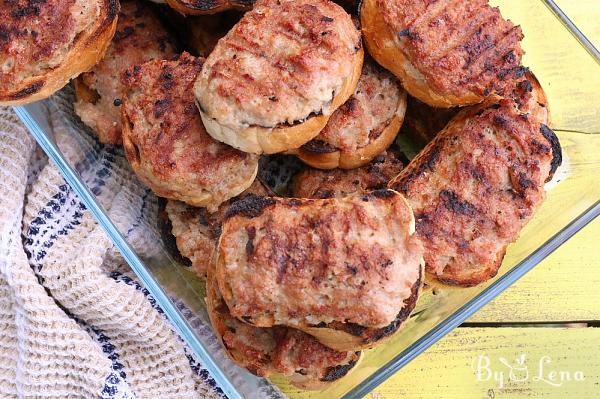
point(73, 322)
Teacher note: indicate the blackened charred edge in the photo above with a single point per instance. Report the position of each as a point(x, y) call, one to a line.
point(28, 91)
point(318, 147)
point(370, 335)
point(113, 8)
point(339, 371)
point(251, 231)
point(425, 163)
point(250, 206)
point(383, 193)
point(211, 5)
point(556, 149)
point(409, 305)
point(165, 227)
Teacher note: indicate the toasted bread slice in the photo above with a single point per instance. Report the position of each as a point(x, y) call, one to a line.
point(347, 271)
point(201, 7)
point(197, 231)
point(317, 183)
point(363, 127)
point(140, 37)
point(475, 186)
point(48, 43)
point(307, 363)
point(166, 143)
point(273, 81)
point(446, 53)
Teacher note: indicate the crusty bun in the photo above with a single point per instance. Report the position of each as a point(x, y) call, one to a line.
point(140, 37)
point(475, 186)
point(48, 43)
point(363, 127)
point(197, 231)
point(447, 53)
point(166, 143)
point(318, 183)
point(200, 7)
point(306, 362)
point(265, 91)
point(315, 265)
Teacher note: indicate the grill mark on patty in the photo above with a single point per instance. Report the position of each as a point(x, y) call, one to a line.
point(250, 206)
point(451, 201)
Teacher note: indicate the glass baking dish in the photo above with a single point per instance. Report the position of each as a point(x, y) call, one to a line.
point(568, 68)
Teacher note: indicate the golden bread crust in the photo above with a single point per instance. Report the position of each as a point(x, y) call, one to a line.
point(166, 143)
point(447, 53)
point(363, 127)
point(272, 82)
point(44, 45)
point(317, 183)
point(475, 186)
point(306, 262)
point(264, 351)
point(140, 37)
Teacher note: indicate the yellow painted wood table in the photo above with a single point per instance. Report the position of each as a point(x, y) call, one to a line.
point(539, 338)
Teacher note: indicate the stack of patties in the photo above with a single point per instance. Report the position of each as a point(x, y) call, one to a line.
point(299, 286)
point(272, 83)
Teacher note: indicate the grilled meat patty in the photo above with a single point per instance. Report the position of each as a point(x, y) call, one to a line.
point(273, 81)
point(363, 126)
point(165, 140)
point(43, 44)
point(475, 186)
point(446, 52)
point(307, 363)
point(317, 183)
point(140, 37)
point(197, 231)
point(311, 263)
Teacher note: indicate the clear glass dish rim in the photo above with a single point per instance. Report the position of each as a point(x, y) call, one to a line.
point(400, 360)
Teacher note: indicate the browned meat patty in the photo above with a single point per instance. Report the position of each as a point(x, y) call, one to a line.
point(140, 37)
point(263, 351)
point(273, 81)
point(197, 231)
point(446, 52)
point(43, 44)
point(363, 126)
point(305, 262)
point(475, 186)
point(165, 140)
point(317, 183)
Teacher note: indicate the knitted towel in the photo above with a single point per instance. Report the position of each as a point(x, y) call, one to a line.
point(73, 321)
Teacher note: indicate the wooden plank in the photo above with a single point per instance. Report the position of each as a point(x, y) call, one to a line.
point(449, 369)
point(564, 287)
